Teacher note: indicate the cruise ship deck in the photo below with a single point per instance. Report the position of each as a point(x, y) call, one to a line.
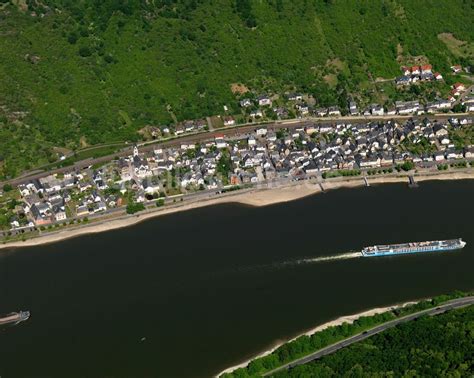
point(419, 245)
point(414, 247)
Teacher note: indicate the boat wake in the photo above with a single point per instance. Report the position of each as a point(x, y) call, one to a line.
point(341, 256)
point(314, 260)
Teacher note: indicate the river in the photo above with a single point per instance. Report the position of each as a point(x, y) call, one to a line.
point(189, 294)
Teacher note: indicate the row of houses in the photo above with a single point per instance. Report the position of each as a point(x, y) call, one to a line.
point(48, 199)
point(262, 100)
point(264, 154)
point(260, 106)
point(416, 73)
point(309, 149)
point(400, 107)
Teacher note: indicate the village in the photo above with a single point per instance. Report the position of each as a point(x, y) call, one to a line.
point(309, 149)
point(257, 108)
point(237, 161)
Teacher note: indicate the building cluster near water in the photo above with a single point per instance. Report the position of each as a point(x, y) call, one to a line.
point(299, 152)
point(298, 105)
point(303, 109)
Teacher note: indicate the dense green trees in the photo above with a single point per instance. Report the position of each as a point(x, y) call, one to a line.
point(71, 70)
point(306, 344)
point(244, 9)
point(224, 166)
point(341, 172)
point(134, 207)
point(437, 346)
point(407, 166)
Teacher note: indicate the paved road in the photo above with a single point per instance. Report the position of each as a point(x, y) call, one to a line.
point(208, 135)
point(455, 303)
point(282, 182)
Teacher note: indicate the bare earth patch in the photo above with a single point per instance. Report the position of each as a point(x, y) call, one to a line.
point(62, 150)
point(418, 60)
point(399, 53)
point(21, 4)
point(456, 46)
point(216, 122)
point(330, 79)
point(238, 88)
point(83, 142)
point(336, 63)
point(400, 12)
point(335, 66)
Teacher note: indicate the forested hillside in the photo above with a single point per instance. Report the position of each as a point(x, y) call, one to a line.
point(77, 73)
point(439, 346)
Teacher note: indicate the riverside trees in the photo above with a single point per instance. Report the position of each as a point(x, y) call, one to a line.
point(432, 346)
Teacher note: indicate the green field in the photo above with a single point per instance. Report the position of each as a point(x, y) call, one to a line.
point(79, 73)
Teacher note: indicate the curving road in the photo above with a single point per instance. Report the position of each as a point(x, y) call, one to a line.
point(455, 303)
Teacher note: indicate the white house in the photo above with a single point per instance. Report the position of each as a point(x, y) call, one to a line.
point(245, 103)
point(256, 113)
point(321, 112)
point(406, 71)
point(264, 100)
point(189, 126)
point(334, 111)
point(457, 68)
point(469, 104)
point(439, 156)
point(426, 69)
point(24, 190)
point(220, 142)
point(444, 140)
point(376, 110)
point(370, 163)
point(60, 215)
point(150, 187)
point(262, 131)
point(415, 70)
point(469, 153)
point(453, 154)
point(353, 108)
point(295, 97)
point(229, 121)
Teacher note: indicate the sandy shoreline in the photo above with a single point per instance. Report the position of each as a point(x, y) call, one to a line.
point(341, 320)
point(255, 197)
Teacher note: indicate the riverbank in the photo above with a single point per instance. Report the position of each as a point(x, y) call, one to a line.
point(257, 197)
point(349, 319)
